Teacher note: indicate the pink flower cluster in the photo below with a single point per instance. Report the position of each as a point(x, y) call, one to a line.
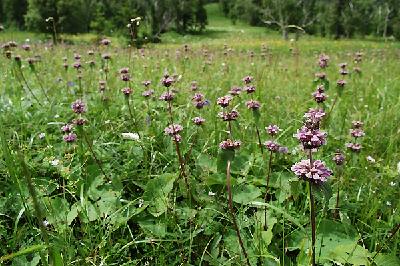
point(317, 173)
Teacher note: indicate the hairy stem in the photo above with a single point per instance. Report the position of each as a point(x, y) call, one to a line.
point(312, 215)
point(94, 154)
point(232, 211)
point(259, 140)
point(267, 188)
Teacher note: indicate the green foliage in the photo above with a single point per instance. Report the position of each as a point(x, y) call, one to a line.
point(139, 212)
point(105, 17)
point(339, 18)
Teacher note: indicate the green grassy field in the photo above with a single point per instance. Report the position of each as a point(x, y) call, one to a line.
point(111, 198)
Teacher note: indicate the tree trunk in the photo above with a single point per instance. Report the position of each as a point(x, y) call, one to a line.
point(285, 34)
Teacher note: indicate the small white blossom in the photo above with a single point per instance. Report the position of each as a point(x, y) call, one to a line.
point(392, 184)
point(370, 159)
point(210, 193)
point(141, 201)
point(55, 162)
point(130, 136)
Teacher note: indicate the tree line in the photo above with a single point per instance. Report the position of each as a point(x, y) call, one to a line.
point(105, 16)
point(333, 18)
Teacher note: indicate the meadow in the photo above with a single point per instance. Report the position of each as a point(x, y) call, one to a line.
point(182, 153)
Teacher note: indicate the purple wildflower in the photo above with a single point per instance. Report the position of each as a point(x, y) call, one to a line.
point(255, 105)
point(148, 93)
point(106, 56)
point(272, 145)
point(319, 95)
point(198, 121)
point(78, 107)
point(198, 97)
point(199, 105)
point(224, 101)
point(311, 138)
point(124, 70)
point(229, 116)
point(355, 147)
point(173, 129)
point(249, 88)
point(167, 81)
point(357, 124)
point(341, 83)
point(272, 130)
point(323, 61)
point(235, 91)
point(338, 158)
point(313, 117)
point(283, 150)
point(146, 83)
point(167, 96)
point(177, 138)
point(77, 65)
point(125, 77)
point(229, 144)
point(127, 91)
point(105, 42)
point(26, 47)
point(71, 137)
point(316, 174)
point(320, 75)
point(194, 86)
point(357, 133)
point(79, 121)
point(67, 128)
point(247, 79)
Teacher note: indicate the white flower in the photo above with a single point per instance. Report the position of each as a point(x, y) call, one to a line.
point(370, 159)
point(130, 136)
point(210, 193)
point(141, 202)
point(392, 184)
point(42, 135)
point(55, 162)
point(388, 203)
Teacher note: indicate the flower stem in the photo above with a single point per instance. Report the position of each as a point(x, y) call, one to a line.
point(230, 129)
point(259, 140)
point(312, 214)
point(336, 214)
point(178, 151)
point(267, 188)
point(36, 206)
point(230, 205)
point(94, 155)
point(29, 88)
point(41, 86)
point(132, 116)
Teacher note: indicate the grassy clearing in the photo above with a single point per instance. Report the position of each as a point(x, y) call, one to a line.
point(114, 199)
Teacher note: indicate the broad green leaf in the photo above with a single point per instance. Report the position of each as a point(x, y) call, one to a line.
point(156, 228)
point(387, 260)
point(207, 163)
point(245, 194)
point(156, 193)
